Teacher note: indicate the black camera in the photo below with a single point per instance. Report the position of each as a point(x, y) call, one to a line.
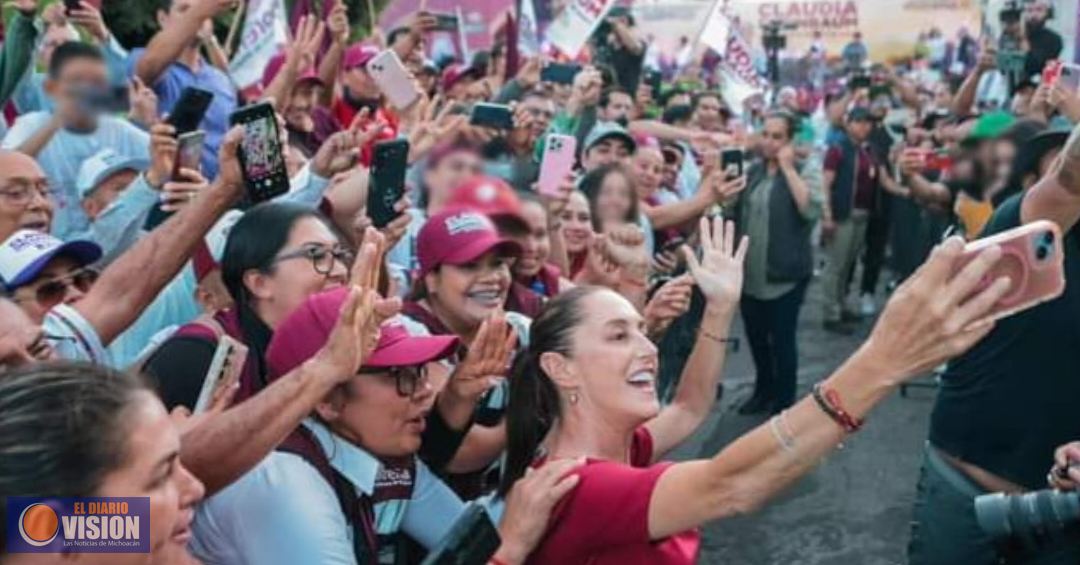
point(1035, 519)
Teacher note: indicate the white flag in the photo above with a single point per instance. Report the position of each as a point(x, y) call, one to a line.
point(739, 79)
point(573, 26)
point(717, 27)
point(265, 33)
point(527, 27)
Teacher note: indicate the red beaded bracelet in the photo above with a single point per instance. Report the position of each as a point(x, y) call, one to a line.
point(829, 402)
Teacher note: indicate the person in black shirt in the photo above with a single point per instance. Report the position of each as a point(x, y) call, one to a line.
point(1044, 44)
point(618, 45)
point(1005, 406)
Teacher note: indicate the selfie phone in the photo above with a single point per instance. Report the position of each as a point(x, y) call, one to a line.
point(1070, 77)
point(225, 368)
point(560, 73)
point(732, 158)
point(262, 158)
point(497, 116)
point(1032, 258)
point(655, 81)
point(560, 153)
point(393, 79)
point(388, 165)
point(189, 151)
point(446, 22)
point(472, 540)
point(188, 112)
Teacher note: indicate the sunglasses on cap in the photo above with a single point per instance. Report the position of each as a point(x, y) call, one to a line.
point(52, 292)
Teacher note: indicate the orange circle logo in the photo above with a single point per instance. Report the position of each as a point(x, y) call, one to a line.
point(38, 524)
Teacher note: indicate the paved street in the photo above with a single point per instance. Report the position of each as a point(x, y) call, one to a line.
point(852, 510)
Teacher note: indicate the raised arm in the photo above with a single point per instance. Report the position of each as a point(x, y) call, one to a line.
point(337, 25)
point(167, 44)
point(716, 189)
point(132, 282)
point(18, 48)
point(299, 56)
point(1056, 196)
point(719, 275)
point(925, 323)
point(965, 96)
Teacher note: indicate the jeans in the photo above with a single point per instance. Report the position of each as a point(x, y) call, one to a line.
point(844, 250)
point(945, 532)
point(771, 328)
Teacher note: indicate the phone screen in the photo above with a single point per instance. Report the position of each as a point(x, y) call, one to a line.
point(732, 159)
point(498, 116)
point(261, 147)
point(189, 152)
point(560, 73)
point(1069, 78)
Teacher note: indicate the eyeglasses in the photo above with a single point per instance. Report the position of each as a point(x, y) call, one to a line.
point(322, 258)
point(20, 193)
point(406, 379)
point(52, 292)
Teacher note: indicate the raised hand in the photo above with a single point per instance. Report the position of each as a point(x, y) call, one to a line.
point(337, 24)
point(719, 273)
point(625, 246)
point(306, 43)
point(529, 505)
point(669, 302)
point(163, 149)
point(487, 362)
point(89, 18)
point(1065, 474)
point(144, 103)
point(229, 173)
point(181, 190)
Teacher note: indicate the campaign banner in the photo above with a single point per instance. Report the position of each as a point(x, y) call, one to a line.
point(739, 78)
point(716, 30)
point(78, 525)
point(263, 35)
point(573, 26)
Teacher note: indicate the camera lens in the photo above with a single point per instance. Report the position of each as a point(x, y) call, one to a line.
point(1048, 238)
point(1042, 252)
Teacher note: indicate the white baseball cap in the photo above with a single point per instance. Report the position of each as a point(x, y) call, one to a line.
point(102, 165)
point(26, 253)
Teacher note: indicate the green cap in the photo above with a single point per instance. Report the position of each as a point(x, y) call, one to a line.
point(990, 126)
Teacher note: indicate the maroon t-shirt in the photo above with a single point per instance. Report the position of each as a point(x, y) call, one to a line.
point(865, 177)
point(605, 519)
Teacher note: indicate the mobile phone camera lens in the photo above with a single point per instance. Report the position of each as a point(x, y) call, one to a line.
point(1048, 238)
point(1042, 252)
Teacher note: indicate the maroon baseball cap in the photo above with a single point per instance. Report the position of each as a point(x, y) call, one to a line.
point(305, 331)
point(457, 236)
point(273, 67)
point(358, 55)
point(454, 73)
point(492, 197)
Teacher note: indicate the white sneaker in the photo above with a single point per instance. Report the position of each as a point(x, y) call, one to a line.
point(867, 306)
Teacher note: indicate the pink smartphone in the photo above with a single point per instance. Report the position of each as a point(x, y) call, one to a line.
point(1032, 259)
point(559, 156)
point(1069, 77)
point(393, 79)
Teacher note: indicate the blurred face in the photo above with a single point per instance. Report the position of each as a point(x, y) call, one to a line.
point(107, 192)
point(451, 172)
point(305, 96)
point(619, 107)
point(77, 76)
point(22, 340)
point(1004, 153)
point(25, 197)
point(576, 223)
point(707, 115)
point(673, 161)
point(605, 152)
point(541, 110)
point(615, 199)
point(859, 130)
point(536, 243)
point(62, 281)
point(303, 267)
point(614, 362)
point(54, 37)
point(360, 83)
point(774, 137)
point(152, 469)
point(465, 295)
point(649, 171)
point(1037, 12)
point(369, 410)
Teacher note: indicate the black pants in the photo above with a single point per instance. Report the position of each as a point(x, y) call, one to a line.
point(877, 238)
point(677, 344)
point(771, 327)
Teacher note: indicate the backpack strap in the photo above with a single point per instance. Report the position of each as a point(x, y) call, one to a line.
point(358, 510)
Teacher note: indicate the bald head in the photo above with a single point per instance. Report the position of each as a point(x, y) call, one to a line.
point(14, 162)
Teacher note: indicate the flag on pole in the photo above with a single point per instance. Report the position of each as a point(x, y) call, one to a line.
point(573, 26)
point(528, 36)
point(263, 36)
point(739, 79)
point(715, 31)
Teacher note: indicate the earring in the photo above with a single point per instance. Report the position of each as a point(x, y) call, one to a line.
point(573, 398)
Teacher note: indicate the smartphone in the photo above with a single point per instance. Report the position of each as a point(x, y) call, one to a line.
point(262, 158)
point(498, 116)
point(188, 112)
point(446, 22)
point(225, 367)
point(732, 160)
point(1070, 77)
point(393, 79)
point(472, 540)
point(189, 152)
point(1051, 72)
point(560, 154)
point(388, 165)
point(939, 161)
point(560, 73)
point(70, 5)
point(1033, 259)
point(655, 81)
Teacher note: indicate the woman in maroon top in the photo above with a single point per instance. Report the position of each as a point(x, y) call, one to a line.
point(585, 387)
point(534, 268)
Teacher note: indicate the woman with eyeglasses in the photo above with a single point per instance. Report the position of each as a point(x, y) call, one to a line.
point(275, 257)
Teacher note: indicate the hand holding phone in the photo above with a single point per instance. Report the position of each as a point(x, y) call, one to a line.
point(560, 153)
point(1069, 77)
point(560, 73)
point(188, 112)
point(189, 151)
point(223, 376)
point(496, 116)
point(731, 162)
point(393, 79)
point(388, 165)
point(262, 155)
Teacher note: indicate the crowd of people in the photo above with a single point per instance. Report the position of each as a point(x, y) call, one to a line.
point(538, 351)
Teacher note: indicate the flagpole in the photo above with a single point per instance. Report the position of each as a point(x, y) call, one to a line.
point(234, 27)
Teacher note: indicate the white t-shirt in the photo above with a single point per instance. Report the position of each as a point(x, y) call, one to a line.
point(73, 338)
point(65, 153)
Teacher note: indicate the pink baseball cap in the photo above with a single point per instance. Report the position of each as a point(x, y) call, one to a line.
point(454, 73)
point(492, 197)
point(358, 55)
point(305, 331)
point(457, 236)
point(273, 67)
